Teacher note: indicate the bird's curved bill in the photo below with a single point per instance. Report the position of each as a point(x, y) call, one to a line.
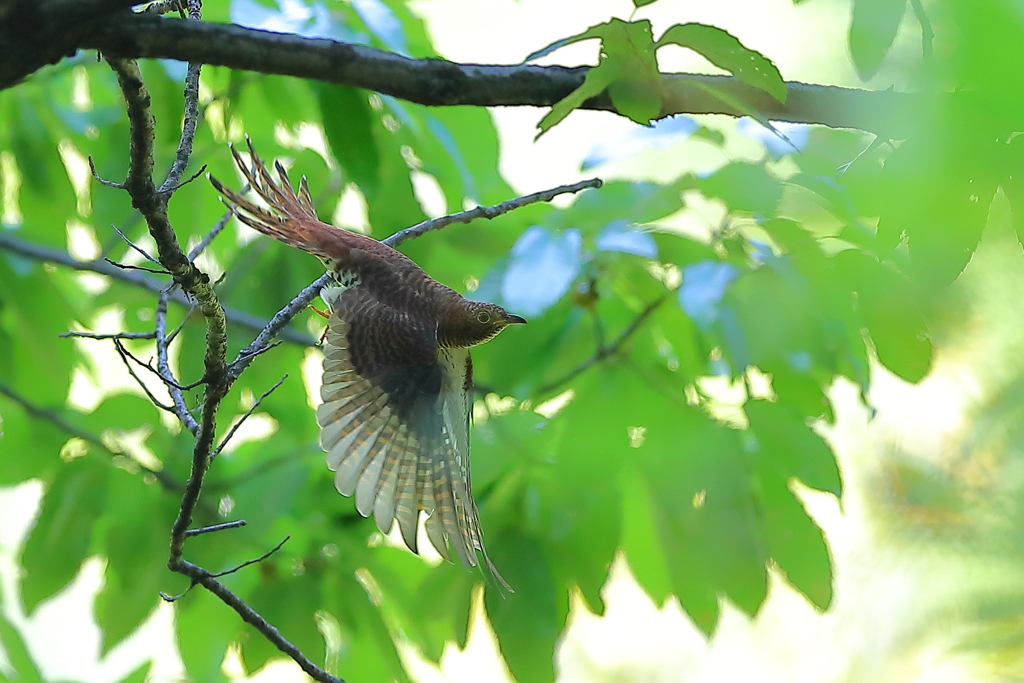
point(516, 320)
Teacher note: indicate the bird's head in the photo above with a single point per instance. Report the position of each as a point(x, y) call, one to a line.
point(477, 322)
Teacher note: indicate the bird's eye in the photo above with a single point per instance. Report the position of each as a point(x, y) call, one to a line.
point(483, 317)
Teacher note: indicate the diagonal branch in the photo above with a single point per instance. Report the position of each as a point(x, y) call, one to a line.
point(46, 35)
point(438, 82)
point(38, 252)
point(488, 212)
point(604, 351)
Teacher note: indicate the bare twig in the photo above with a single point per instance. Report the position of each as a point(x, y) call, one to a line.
point(603, 352)
point(216, 527)
point(164, 367)
point(125, 266)
point(152, 203)
point(252, 409)
point(194, 253)
point(174, 188)
point(253, 561)
point(125, 355)
point(38, 252)
point(488, 212)
point(188, 132)
point(134, 246)
point(101, 180)
point(109, 335)
point(276, 324)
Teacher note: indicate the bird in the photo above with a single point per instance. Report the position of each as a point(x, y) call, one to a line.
point(397, 390)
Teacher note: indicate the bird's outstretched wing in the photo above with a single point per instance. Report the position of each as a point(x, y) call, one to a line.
point(395, 424)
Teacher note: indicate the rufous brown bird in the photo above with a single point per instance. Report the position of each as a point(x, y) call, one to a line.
point(397, 377)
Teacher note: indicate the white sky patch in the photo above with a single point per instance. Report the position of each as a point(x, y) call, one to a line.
point(352, 211)
point(428, 193)
point(77, 167)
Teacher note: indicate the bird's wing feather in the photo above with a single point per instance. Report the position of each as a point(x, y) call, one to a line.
point(395, 423)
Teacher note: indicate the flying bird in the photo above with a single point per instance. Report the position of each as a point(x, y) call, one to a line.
point(397, 376)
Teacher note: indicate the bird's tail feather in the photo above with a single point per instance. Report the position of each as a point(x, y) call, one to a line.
point(290, 216)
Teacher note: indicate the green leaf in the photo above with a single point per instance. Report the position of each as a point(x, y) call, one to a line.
point(289, 603)
point(526, 622)
point(593, 32)
point(873, 28)
point(14, 647)
point(205, 627)
point(628, 68)
point(938, 198)
point(706, 512)
point(890, 312)
point(597, 79)
point(63, 533)
point(725, 51)
point(744, 187)
point(348, 124)
point(643, 3)
point(640, 540)
point(791, 448)
point(135, 529)
point(795, 542)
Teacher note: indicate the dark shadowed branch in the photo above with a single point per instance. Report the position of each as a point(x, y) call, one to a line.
point(43, 35)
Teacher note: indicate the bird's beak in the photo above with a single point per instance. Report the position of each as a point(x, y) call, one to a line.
point(515, 320)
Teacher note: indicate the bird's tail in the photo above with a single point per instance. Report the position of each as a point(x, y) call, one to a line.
point(290, 216)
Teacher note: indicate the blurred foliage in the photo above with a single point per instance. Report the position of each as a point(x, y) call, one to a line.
point(643, 455)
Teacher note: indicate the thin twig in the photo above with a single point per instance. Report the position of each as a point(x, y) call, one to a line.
point(253, 561)
point(168, 380)
point(188, 132)
point(38, 252)
point(488, 211)
point(252, 409)
point(125, 266)
point(194, 253)
point(102, 181)
point(138, 380)
point(276, 324)
point(603, 352)
point(109, 335)
point(183, 183)
point(164, 367)
point(133, 246)
point(216, 527)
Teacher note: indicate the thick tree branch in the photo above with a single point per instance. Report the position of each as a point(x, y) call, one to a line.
point(152, 204)
point(438, 82)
